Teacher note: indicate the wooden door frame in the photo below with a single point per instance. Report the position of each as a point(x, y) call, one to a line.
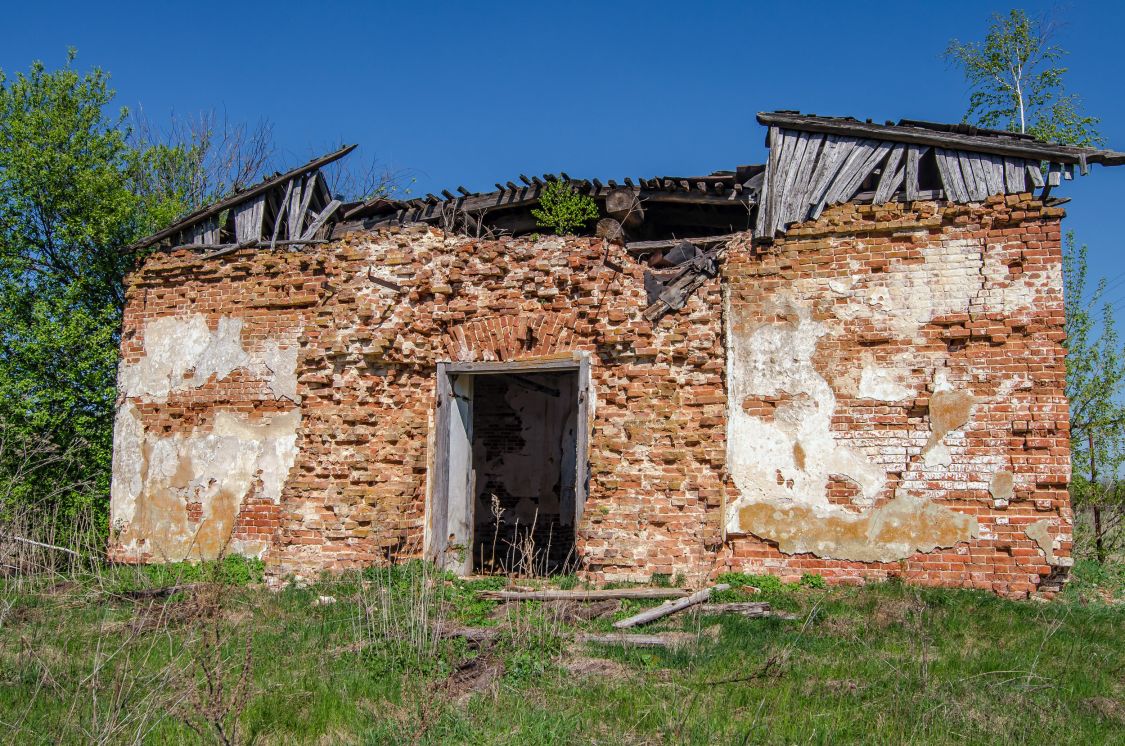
point(437, 511)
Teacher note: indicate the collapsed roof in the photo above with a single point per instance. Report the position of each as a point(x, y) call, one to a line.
point(814, 162)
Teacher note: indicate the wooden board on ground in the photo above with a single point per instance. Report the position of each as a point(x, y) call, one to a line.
point(671, 607)
point(582, 595)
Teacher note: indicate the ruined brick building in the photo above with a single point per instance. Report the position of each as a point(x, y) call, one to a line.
point(845, 361)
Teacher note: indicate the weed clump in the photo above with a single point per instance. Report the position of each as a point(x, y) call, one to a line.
point(563, 209)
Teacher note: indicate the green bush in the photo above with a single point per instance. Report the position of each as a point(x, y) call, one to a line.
point(562, 209)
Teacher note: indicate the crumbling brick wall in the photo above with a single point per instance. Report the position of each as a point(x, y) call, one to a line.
point(208, 407)
point(894, 377)
point(897, 397)
point(398, 302)
point(374, 314)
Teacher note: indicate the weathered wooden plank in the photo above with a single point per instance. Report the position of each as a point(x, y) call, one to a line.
point(321, 219)
point(789, 142)
point(248, 219)
point(1035, 174)
point(670, 607)
point(797, 202)
point(973, 173)
point(205, 232)
point(579, 594)
point(895, 185)
point(1017, 148)
point(766, 193)
point(974, 189)
point(994, 174)
point(790, 165)
point(296, 199)
point(281, 212)
point(752, 609)
point(829, 158)
point(848, 170)
point(297, 221)
point(914, 155)
point(1054, 174)
point(941, 160)
point(864, 170)
point(785, 213)
point(1014, 176)
point(960, 175)
point(262, 244)
point(643, 247)
point(213, 210)
point(886, 185)
point(923, 194)
point(822, 182)
point(665, 640)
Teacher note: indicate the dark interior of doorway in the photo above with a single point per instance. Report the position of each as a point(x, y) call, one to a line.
point(524, 461)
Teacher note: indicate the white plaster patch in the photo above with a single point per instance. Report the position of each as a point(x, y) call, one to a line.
point(782, 464)
point(797, 444)
point(181, 353)
point(127, 475)
point(156, 477)
point(880, 384)
point(937, 456)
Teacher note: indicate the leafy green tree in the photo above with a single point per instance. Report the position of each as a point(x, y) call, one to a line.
point(562, 209)
point(1017, 84)
point(1095, 374)
point(76, 183)
point(64, 205)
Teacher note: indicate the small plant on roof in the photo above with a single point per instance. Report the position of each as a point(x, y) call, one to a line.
point(562, 209)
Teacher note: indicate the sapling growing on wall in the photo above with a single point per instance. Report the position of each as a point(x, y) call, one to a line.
point(563, 209)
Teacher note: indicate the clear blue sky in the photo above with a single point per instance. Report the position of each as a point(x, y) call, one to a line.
point(472, 93)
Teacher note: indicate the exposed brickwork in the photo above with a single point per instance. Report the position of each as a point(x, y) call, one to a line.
point(371, 315)
point(1003, 344)
point(366, 374)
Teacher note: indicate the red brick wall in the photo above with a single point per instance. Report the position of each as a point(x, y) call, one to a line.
point(372, 314)
point(971, 301)
point(368, 366)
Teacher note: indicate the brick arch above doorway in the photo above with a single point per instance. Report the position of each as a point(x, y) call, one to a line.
point(512, 337)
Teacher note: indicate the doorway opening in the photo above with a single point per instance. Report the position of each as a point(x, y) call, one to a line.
point(511, 467)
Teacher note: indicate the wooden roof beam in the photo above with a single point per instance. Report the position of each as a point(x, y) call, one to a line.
point(950, 140)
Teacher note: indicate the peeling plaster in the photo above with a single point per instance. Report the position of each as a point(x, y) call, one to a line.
point(949, 410)
point(877, 383)
point(782, 465)
point(1001, 486)
point(181, 353)
point(156, 477)
point(888, 533)
point(954, 275)
point(776, 360)
point(1040, 533)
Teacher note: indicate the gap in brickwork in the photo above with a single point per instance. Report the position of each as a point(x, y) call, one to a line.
point(523, 455)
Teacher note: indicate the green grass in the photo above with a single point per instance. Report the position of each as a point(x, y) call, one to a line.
point(882, 664)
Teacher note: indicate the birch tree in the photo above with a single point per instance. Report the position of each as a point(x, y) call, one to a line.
point(1095, 374)
point(1016, 82)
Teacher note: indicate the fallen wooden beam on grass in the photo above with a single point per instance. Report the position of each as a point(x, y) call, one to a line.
point(484, 635)
point(752, 609)
point(670, 639)
point(161, 592)
point(582, 595)
point(473, 634)
point(670, 607)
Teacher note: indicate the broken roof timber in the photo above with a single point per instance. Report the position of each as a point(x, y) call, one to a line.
point(405, 212)
point(235, 199)
point(917, 134)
